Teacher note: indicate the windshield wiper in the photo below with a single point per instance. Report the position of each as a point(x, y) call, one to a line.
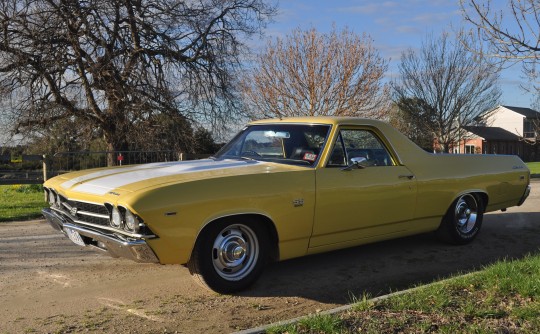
point(246, 158)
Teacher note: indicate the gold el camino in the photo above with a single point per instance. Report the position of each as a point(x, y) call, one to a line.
point(279, 190)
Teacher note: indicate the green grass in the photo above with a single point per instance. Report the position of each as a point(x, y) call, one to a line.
point(21, 202)
point(534, 167)
point(314, 324)
point(503, 298)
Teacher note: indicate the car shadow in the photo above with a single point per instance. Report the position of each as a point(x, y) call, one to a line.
point(340, 276)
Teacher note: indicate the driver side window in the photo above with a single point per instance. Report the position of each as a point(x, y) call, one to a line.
point(359, 144)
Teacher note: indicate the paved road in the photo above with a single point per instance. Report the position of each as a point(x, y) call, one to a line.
point(48, 284)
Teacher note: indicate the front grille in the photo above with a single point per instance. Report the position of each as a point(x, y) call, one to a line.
point(96, 214)
point(89, 207)
point(93, 215)
point(92, 219)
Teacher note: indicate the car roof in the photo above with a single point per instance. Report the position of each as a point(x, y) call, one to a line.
point(331, 120)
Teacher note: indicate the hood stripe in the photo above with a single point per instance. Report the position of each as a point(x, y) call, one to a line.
point(95, 175)
point(102, 182)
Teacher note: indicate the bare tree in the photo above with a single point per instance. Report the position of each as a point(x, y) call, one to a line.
point(453, 86)
point(112, 63)
point(308, 73)
point(511, 34)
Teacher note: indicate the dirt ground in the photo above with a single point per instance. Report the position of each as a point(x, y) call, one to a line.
point(50, 285)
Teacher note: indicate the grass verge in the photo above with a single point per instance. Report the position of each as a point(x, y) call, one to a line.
point(502, 298)
point(534, 167)
point(21, 202)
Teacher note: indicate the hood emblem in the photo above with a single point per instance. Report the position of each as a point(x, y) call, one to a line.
point(73, 211)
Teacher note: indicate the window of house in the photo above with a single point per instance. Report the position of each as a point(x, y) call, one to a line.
point(469, 149)
point(528, 129)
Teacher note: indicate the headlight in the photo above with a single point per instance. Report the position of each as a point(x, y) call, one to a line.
point(116, 218)
point(122, 218)
point(52, 200)
point(132, 224)
point(58, 201)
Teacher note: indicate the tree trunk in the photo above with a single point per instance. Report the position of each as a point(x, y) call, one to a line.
point(111, 161)
point(115, 145)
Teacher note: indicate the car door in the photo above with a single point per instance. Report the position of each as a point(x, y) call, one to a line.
point(374, 198)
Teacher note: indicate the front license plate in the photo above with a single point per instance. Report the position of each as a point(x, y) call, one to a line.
point(74, 236)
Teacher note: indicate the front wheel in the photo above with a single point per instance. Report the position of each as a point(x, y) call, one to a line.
point(229, 255)
point(463, 220)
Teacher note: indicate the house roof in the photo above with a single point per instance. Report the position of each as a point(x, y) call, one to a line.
point(527, 112)
point(492, 133)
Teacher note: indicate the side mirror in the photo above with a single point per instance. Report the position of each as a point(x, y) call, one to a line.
point(356, 162)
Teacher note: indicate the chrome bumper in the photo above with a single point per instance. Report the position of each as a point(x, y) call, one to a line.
point(525, 195)
point(136, 250)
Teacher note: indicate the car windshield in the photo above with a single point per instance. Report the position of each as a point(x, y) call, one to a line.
point(299, 144)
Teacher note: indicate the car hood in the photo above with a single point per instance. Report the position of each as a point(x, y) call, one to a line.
point(133, 178)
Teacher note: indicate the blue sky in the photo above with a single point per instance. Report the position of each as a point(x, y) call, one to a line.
point(393, 25)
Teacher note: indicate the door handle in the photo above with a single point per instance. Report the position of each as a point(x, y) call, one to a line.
point(408, 176)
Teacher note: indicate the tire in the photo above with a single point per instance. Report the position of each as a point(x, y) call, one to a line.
point(229, 255)
point(462, 222)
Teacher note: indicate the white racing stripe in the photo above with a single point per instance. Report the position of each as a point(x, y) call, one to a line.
point(95, 175)
point(102, 182)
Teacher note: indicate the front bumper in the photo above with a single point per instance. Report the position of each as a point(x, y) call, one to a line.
point(136, 250)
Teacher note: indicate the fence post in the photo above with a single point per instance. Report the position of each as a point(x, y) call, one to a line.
point(181, 156)
point(44, 167)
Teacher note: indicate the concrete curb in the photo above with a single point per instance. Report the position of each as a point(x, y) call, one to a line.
point(262, 329)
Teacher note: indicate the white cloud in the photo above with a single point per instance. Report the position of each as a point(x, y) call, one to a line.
point(408, 29)
point(432, 18)
point(365, 9)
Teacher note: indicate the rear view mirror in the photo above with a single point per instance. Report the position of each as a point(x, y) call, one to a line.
point(277, 134)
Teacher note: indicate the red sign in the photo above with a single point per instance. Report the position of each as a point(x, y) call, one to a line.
point(120, 157)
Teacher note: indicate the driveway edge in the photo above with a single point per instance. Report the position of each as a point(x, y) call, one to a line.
point(262, 329)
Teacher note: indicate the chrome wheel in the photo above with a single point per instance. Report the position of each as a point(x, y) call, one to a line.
point(463, 220)
point(230, 254)
point(235, 252)
point(466, 213)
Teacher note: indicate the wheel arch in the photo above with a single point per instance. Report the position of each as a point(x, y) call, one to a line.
point(263, 219)
point(479, 193)
point(484, 197)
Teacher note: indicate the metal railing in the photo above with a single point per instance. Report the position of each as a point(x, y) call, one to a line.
point(25, 170)
point(21, 176)
point(63, 162)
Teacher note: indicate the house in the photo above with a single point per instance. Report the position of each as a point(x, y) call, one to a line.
point(491, 140)
point(522, 121)
point(508, 130)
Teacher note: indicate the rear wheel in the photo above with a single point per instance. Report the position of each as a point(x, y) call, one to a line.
point(229, 255)
point(463, 220)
